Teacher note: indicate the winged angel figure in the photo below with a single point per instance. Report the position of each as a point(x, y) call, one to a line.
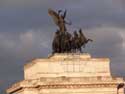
point(59, 19)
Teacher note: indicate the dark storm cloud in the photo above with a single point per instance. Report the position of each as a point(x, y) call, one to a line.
point(26, 32)
point(89, 13)
point(18, 48)
point(109, 43)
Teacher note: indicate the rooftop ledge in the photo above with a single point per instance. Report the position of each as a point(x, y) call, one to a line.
point(70, 55)
point(66, 56)
point(62, 80)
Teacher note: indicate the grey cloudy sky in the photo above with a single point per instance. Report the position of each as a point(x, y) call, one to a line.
point(26, 32)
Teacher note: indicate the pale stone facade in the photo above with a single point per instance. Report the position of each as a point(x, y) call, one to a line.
point(68, 74)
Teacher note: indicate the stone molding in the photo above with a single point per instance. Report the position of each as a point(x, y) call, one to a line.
point(65, 57)
point(67, 82)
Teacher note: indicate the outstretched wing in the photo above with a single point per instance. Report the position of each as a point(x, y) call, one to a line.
point(54, 16)
point(64, 15)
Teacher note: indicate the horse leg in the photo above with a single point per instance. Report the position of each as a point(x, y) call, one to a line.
point(90, 40)
point(80, 49)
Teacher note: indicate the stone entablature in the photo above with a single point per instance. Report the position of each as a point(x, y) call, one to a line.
point(63, 57)
point(67, 65)
point(66, 82)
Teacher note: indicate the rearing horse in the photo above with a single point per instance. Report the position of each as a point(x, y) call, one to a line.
point(82, 39)
point(79, 40)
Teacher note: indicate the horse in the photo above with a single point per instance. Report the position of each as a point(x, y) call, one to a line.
point(82, 39)
point(79, 41)
point(56, 43)
point(61, 42)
